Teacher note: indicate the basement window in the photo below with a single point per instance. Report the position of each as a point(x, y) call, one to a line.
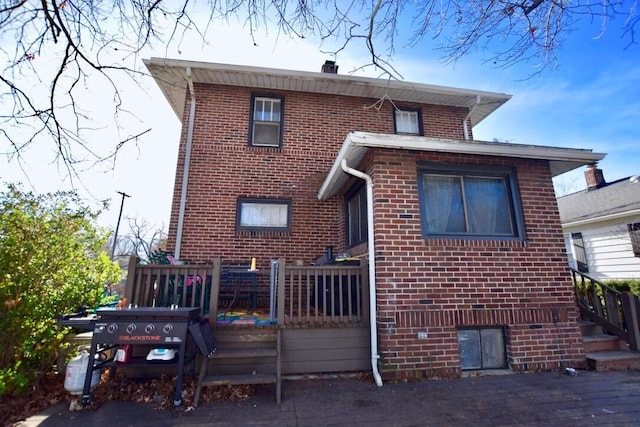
point(482, 348)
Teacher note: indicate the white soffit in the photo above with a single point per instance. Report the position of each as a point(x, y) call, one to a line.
point(356, 144)
point(171, 76)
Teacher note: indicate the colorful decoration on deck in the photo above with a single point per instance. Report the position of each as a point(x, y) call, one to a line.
point(244, 318)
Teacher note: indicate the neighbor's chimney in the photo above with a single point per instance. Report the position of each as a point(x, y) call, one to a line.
point(594, 177)
point(330, 67)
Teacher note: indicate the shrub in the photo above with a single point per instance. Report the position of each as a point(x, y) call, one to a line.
point(51, 262)
point(623, 285)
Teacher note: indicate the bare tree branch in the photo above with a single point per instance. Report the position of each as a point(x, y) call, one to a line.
point(141, 240)
point(65, 48)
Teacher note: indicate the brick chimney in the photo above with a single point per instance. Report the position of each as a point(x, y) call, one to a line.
point(594, 177)
point(330, 67)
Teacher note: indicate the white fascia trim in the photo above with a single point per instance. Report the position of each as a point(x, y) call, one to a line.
point(357, 142)
point(501, 149)
point(302, 75)
point(336, 169)
point(601, 218)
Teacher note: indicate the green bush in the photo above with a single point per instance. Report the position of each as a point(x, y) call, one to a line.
point(52, 261)
point(623, 285)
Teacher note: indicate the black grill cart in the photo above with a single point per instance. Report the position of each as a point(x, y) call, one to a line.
point(161, 328)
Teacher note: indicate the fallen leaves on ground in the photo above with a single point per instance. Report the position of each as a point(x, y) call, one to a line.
point(158, 392)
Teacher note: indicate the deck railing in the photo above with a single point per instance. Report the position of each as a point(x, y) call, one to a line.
point(327, 294)
point(617, 312)
point(164, 285)
point(296, 295)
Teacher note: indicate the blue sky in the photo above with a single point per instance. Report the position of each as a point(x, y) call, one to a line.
point(592, 100)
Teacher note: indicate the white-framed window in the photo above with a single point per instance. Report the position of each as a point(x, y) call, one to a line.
point(263, 214)
point(469, 201)
point(407, 121)
point(266, 121)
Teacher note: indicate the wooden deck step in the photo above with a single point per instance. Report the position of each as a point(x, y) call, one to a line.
point(240, 353)
point(213, 380)
point(613, 360)
point(243, 356)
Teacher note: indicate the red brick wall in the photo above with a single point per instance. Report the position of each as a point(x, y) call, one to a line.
point(438, 285)
point(223, 167)
point(432, 286)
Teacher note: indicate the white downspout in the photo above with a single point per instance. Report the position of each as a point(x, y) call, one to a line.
point(187, 163)
point(372, 270)
point(464, 123)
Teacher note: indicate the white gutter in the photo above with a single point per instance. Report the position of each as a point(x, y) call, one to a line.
point(372, 270)
point(464, 122)
point(187, 163)
point(602, 218)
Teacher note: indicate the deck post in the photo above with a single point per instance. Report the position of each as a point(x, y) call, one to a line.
point(215, 291)
point(280, 291)
point(131, 278)
point(630, 310)
point(364, 274)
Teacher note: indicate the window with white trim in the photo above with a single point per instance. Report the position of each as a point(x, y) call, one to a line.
point(407, 121)
point(266, 121)
point(263, 214)
point(469, 201)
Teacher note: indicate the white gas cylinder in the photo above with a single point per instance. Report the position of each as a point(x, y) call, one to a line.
point(76, 371)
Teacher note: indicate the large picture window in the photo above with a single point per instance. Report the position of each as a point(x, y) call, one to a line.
point(263, 214)
point(356, 216)
point(266, 121)
point(469, 202)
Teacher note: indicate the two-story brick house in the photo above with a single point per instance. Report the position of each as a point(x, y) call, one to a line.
point(466, 252)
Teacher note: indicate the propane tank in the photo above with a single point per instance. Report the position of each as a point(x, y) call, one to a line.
point(76, 372)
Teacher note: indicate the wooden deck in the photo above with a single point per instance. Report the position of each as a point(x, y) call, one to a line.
point(322, 312)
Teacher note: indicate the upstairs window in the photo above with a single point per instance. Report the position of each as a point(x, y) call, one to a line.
point(407, 121)
point(466, 201)
point(266, 122)
point(356, 216)
point(264, 215)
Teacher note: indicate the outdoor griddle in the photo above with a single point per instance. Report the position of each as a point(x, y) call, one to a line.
point(153, 327)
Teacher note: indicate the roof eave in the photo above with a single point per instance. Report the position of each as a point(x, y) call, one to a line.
point(603, 218)
point(170, 75)
point(356, 144)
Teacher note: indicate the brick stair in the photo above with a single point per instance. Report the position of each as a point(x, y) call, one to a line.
point(606, 352)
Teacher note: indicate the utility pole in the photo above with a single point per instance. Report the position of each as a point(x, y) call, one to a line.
point(115, 236)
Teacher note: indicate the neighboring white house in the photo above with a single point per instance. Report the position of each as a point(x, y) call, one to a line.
point(602, 226)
